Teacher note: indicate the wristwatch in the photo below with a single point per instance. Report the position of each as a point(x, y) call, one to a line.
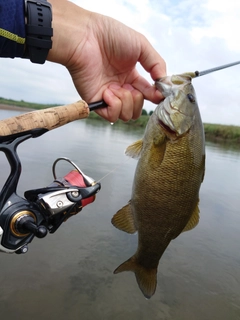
point(39, 30)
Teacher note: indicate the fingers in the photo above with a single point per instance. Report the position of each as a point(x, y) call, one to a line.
point(151, 60)
point(124, 103)
point(149, 91)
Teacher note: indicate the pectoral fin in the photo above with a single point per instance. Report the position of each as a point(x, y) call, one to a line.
point(134, 150)
point(124, 220)
point(193, 221)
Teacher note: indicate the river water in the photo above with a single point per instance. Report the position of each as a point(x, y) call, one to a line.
point(69, 274)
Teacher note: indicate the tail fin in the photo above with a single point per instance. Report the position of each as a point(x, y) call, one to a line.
point(146, 278)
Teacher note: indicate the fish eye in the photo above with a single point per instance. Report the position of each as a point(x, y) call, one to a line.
point(191, 98)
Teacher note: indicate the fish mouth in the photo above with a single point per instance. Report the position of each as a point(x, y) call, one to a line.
point(166, 127)
point(164, 119)
point(164, 116)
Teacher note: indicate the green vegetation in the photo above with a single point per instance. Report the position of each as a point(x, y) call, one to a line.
point(213, 132)
point(25, 104)
point(217, 132)
point(144, 112)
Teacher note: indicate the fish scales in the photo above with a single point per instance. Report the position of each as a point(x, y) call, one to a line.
point(156, 204)
point(167, 180)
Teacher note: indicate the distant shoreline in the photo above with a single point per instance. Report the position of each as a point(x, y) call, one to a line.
point(12, 107)
point(213, 132)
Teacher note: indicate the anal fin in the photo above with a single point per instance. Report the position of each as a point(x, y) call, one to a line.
point(194, 219)
point(124, 219)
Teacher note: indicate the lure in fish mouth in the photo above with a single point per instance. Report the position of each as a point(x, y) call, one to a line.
point(168, 176)
point(177, 110)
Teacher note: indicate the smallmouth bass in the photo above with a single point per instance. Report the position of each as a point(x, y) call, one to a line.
point(168, 176)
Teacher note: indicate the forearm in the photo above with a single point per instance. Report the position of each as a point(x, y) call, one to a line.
point(12, 28)
point(25, 29)
point(66, 17)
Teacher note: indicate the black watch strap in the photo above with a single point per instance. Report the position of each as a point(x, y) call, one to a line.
point(38, 30)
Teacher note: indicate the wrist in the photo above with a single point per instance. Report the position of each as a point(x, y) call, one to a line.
point(38, 30)
point(69, 30)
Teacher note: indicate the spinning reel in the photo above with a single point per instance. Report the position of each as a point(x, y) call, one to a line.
point(43, 210)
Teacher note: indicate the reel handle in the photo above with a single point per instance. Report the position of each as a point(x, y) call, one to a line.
point(28, 225)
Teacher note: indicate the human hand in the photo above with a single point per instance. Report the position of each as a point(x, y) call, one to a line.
point(101, 55)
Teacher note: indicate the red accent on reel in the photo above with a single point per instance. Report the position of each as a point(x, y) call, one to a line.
point(76, 179)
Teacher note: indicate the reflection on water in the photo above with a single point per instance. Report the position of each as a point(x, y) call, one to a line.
point(68, 275)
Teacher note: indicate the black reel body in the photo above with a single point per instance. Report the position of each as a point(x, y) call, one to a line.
point(43, 210)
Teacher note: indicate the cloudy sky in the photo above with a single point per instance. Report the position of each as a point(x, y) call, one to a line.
point(190, 35)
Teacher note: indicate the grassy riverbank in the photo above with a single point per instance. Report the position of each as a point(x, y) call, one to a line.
point(23, 104)
point(217, 132)
point(213, 132)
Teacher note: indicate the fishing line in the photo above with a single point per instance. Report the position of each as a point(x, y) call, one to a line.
point(112, 171)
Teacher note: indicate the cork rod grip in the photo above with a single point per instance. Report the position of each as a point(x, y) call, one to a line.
point(50, 118)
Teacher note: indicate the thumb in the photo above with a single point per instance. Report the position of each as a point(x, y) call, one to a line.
point(151, 60)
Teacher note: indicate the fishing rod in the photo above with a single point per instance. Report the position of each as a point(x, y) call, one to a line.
point(203, 73)
point(43, 210)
